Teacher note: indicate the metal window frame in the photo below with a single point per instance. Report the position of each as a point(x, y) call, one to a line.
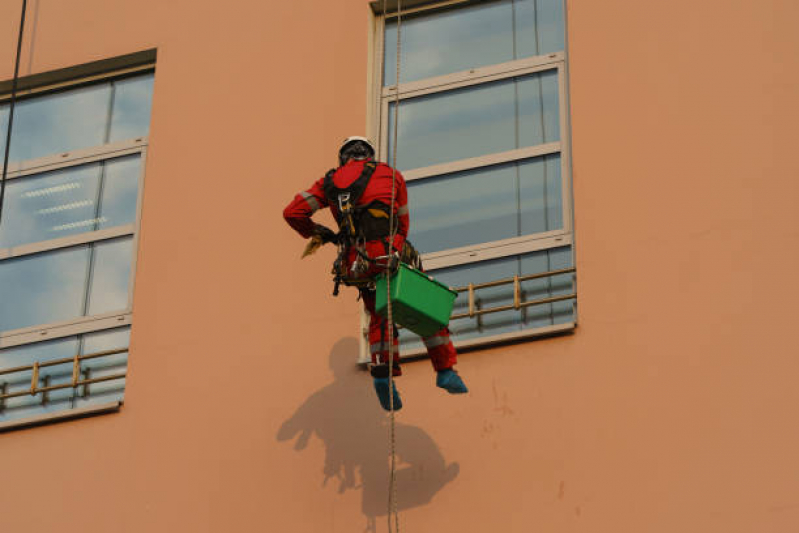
point(379, 98)
point(49, 163)
point(475, 77)
point(40, 85)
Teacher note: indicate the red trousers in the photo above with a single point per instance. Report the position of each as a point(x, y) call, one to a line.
point(439, 346)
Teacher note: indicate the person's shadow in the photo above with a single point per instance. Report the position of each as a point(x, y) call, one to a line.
point(346, 416)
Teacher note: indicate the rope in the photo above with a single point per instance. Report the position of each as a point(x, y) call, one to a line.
point(11, 109)
point(392, 488)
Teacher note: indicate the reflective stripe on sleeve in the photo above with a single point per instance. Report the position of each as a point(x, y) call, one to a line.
point(311, 199)
point(402, 211)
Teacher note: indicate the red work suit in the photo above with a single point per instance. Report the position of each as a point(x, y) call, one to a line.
point(298, 215)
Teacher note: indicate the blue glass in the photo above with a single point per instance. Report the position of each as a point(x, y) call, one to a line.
point(486, 204)
point(58, 122)
point(474, 36)
point(477, 120)
point(130, 117)
point(464, 208)
point(531, 317)
point(67, 202)
point(26, 406)
point(540, 195)
point(538, 109)
point(110, 276)
point(540, 27)
point(120, 192)
point(106, 391)
point(43, 288)
point(450, 41)
point(50, 205)
point(61, 374)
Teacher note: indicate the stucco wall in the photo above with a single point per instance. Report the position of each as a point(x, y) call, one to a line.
point(670, 409)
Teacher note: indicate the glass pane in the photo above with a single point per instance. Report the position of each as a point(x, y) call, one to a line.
point(450, 41)
point(66, 398)
point(111, 365)
point(477, 120)
point(531, 317)
point(486, 204)
point(110, 276)
point(50, 205)
point(132, 103)
point(539, 27)
point(59, 122)
point(43, 288)
point(464, 208)
point(120, 192)
point(539, 113)
point(540, 195)
point(26, 406)
point(475, 36)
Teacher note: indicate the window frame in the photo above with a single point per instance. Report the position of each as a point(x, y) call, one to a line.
point(99, 72)
point(378, 105)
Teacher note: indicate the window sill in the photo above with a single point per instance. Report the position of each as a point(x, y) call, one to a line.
point(50, 418)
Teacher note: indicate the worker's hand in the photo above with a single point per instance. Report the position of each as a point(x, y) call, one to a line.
point(325, 234)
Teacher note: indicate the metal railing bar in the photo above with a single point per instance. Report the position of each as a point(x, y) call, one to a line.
point(508, 281)
point(63, 386)
point(511, 307)
point(56, 362)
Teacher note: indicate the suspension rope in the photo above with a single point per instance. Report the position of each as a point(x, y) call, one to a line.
point(11, 109)
point(392, 484)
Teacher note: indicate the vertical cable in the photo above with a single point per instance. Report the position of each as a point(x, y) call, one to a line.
point(392, 490)
point(11, 109)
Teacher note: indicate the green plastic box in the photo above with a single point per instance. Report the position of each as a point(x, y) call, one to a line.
point(419, 303)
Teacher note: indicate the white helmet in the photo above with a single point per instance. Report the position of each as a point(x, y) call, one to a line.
point(355, 147)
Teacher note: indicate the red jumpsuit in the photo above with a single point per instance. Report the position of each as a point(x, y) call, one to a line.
point(298, 215)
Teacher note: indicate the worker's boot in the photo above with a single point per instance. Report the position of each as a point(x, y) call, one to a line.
point(449, 380)
point(381, 388)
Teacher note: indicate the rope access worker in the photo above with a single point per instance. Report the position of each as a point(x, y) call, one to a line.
point(359, 194)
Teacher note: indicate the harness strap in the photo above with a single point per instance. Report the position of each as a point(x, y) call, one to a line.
point(355, 189)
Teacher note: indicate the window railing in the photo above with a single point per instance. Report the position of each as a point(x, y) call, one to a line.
point(76, 381)
point(517, 293)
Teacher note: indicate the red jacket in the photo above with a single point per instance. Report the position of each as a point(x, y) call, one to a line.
point(298, 212)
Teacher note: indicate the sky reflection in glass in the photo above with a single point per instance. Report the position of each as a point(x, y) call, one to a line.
point(486, 204)
point(474, 36)
point(67, 398)
point(67, 202)
point(132, 104)
point(79, 118)
point(52, 286)
point(477, 120)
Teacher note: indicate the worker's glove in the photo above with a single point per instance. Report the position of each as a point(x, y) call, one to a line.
point(321, 235)
point(325, 234)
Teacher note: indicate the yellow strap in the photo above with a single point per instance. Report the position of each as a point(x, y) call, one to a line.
point(377, 213)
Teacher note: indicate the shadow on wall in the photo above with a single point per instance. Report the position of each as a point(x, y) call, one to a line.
point(346, 416)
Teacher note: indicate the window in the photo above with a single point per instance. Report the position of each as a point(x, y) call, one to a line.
point(68, 242)
point(483, 142)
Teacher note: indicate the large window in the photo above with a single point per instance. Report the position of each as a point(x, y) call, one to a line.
point(483, 139)
point(68, 242)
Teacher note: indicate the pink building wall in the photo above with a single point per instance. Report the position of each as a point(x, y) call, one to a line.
point(671, 408)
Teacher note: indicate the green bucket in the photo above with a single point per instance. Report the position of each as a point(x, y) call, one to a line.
point(419, 303)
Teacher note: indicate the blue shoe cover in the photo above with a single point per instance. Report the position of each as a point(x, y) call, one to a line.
point(450, 381)
point(381, 388)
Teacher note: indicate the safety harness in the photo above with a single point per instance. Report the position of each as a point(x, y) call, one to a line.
point(357, 224)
